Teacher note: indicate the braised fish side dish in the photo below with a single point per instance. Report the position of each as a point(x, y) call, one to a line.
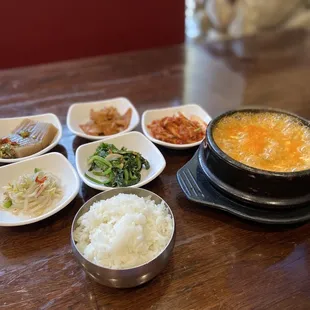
point(266, 140)
point(26, 139)
point(178, 129)
point(106, 122)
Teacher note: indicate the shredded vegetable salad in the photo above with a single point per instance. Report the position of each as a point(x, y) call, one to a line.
point(32, 194)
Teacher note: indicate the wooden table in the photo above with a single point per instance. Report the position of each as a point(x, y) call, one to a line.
point(219, 261)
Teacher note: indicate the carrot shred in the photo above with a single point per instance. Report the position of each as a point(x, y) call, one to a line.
point(40, 181)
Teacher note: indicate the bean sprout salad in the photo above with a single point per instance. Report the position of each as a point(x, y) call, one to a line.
point(32, 194)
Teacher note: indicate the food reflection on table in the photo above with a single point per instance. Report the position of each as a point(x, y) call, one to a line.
point(178, 129)
point(28, 138)
point(268, 141)
point(115, 167)
point(32, 194)
point(107, 121)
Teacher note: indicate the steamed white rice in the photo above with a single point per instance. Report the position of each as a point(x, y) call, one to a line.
point(124, 231)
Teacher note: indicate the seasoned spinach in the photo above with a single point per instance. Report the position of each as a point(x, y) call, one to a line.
point(116, 167)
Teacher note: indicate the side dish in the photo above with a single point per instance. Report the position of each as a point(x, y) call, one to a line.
point(178, 129)
point(266, 140)
point(115, 167)
point(107, 121)
point(124, 231)
point(26, 139)
point(32, 194)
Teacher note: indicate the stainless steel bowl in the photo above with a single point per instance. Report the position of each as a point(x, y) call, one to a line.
point(123, 278)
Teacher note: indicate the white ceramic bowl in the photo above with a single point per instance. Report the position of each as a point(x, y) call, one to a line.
point(9, 124)
point(55, 163)
point(188, 110)
point(134, 141)
point(79, 113)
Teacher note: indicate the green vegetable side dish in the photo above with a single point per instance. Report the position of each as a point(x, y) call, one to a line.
point(115, 167)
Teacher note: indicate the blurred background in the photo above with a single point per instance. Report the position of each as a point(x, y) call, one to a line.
point(35, 31)
point(213, 20)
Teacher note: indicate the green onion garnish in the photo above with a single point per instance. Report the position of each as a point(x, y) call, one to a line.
point(7, 204)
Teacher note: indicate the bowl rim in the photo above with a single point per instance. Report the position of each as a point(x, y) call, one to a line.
point(215, 148)
point(93, 200)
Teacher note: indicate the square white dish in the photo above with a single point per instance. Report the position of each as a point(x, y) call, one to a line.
point(55, 163)
point(7, 125)
point(134, 141)
point(188, 110)
point(79, 113)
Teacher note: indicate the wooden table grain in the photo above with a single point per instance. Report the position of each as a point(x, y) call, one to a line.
point(219, 261)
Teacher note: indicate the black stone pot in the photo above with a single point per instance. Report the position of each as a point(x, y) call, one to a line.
point(251, 185)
